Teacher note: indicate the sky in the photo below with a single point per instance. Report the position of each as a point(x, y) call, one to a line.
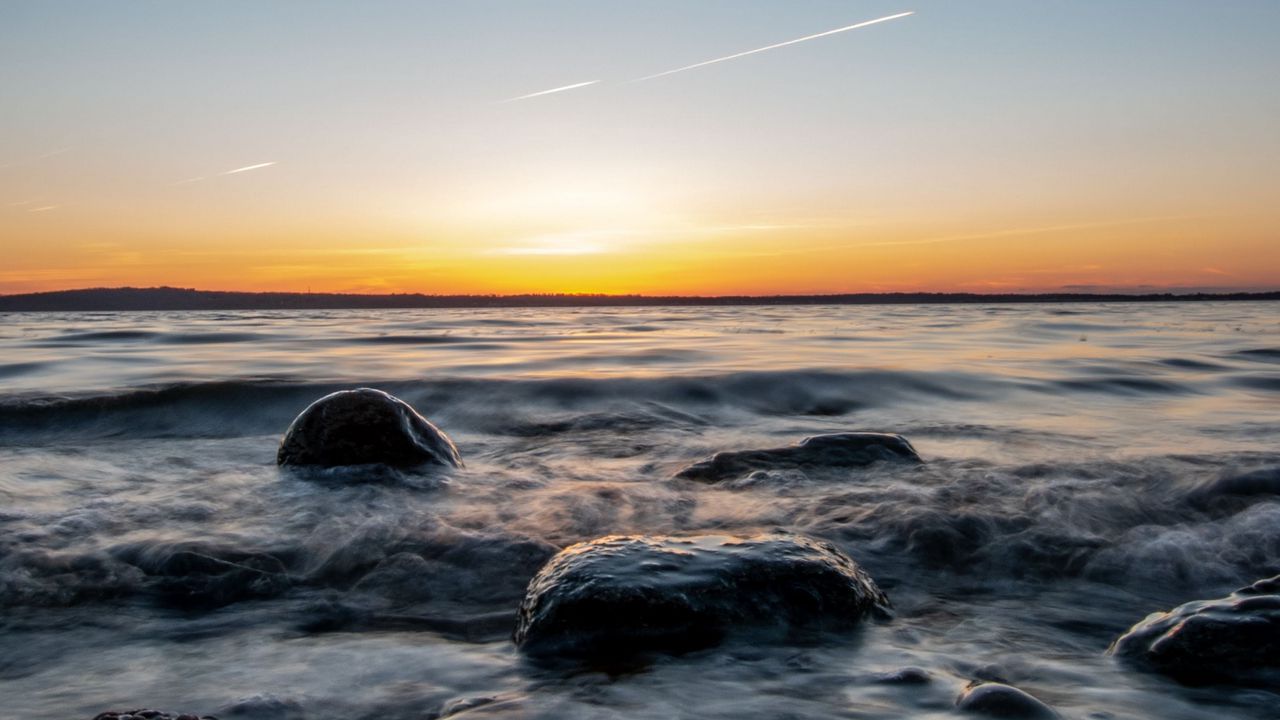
point(998, 146)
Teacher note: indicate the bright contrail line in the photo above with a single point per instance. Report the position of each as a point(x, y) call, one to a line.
point(806, 38)
point(249, 167)
point(552, 90)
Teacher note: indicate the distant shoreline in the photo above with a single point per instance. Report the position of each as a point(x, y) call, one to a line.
point(167, 298)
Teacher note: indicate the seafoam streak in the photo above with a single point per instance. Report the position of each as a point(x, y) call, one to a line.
point(775, 46)
point(552, 90)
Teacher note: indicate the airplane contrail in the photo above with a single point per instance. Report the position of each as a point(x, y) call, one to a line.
point(552, 90)
point(806, 38)
point(249, 167)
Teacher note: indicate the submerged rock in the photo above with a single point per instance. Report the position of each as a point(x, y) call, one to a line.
point(851, 449)
point(192, 580)
point(909, 675)
point(199, 576)
point(619, 597)
point(263, 707)
point(364, 426)
point(998, 700)
point(1233, 640)
point(1264, 481)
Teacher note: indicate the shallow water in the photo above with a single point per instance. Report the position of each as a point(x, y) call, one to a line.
point(1078, 476)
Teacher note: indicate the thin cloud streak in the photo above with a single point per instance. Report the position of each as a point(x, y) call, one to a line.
point(247, 168)
point(540, 93)
point(775, 46)
point(1030, 231)
point(53, 153)
point(995, 234)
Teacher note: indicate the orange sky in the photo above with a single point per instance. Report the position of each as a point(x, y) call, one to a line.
point(993, 148)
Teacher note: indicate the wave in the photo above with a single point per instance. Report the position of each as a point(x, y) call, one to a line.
point(532, 406)
point(107, 337)
point(1271, 355)
point(20, 368)
point(236, 408)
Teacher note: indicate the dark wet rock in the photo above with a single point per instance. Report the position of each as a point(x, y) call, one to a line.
point(203, 582)
point(263, 707)
point(1264, 481)
point(408, 563)
point(1233, 640)
point(403, 577)
point(497, 706)
point(905, 676)
point(998, 700)
point(851, 449)
point(455, 707)
point(363, 427)
point(40, 578)
point(620, 597)
point(148, 715)
point(194, 576)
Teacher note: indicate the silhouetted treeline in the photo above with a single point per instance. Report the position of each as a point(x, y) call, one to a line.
point(167, 298)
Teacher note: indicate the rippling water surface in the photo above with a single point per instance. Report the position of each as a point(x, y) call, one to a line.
point(1078, 474)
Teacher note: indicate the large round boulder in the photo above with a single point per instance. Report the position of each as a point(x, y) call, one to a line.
point(1233, 640)
point(619, 597)
point(364, 426)
point(837, 450)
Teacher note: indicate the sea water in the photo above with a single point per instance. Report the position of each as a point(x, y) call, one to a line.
point(1077, 477)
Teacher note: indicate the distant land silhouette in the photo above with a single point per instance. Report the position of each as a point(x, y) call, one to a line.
point(168, 298)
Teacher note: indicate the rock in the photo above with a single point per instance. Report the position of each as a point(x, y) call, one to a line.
point(622, 597)
point(364, 426)
point(1233, 640)
point(1264, 481)
point(201, 576)
point(909, 675)
point(263, 707)
point(1003, 701)
point(851, 449)
point(192, 580)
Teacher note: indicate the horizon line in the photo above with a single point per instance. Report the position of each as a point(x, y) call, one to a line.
point(1062, 292)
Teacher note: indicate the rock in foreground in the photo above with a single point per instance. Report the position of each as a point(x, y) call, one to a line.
point(364, 426)
point(620, 597)
point(1233, 640)
point(851, 449)
point(998, 700)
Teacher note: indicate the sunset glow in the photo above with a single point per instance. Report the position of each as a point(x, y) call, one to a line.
point(991, 147)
